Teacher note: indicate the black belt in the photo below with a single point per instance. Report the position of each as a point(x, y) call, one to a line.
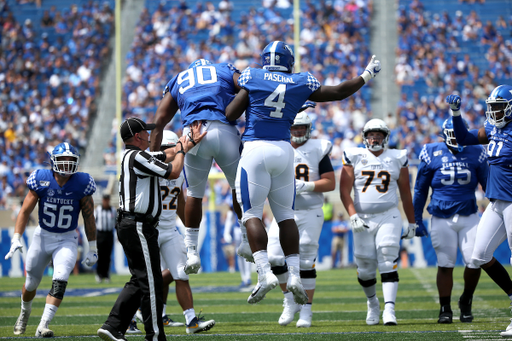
point(143, 218)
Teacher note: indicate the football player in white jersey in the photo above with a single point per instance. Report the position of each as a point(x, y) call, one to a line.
point(173, 253)
point(314, 175)
point(375, 173)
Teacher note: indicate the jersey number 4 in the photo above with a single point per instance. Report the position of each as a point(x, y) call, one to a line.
point(197, 73)
point(276, 100)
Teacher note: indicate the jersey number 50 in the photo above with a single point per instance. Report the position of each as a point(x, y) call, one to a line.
point(197, 73)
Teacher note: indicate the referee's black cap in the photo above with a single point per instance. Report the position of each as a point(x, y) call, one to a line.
point(134, 125)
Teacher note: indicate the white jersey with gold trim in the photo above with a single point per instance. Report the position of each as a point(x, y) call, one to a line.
point(306, 162)
point(170, 190)
point(375, 183)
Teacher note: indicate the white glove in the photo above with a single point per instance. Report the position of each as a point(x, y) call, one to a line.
point(357, 224)
point(411, 231)
point(304, 186)
point(92, 256)
point(371, 70)
point(15, 245)
point(227, 238)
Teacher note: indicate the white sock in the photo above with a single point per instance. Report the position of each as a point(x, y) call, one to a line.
point(163, 310)
point(49, 312)
point(189, 315)
point(293, 261)
point(370, 292)
point(26, 305)
point(389, 290)
point(261, 261)
point(306, 310)
point(191, 239)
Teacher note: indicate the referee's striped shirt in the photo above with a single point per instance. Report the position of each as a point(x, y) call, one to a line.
point(105, 218)
point(139, 190)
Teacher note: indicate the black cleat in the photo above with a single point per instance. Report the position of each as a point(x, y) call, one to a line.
point(465, 312)
point(445, 315)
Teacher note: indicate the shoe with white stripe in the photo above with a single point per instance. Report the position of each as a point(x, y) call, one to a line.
point(132, 328)
point(244, 251)
point(388, 317)
point(21, 324)
point(43, 330)
point(198, 324)
point(306, 316)
point(290, 309)
point(266, 282)
point(193, 263)
point(170, 323)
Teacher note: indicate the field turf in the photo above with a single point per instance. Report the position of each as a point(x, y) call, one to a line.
point(339, 309)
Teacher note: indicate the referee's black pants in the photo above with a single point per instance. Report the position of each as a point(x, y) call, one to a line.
point(105, 243)
point(140, 244)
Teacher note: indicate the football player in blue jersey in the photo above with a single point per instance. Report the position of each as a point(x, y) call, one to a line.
point(61, 192)
point(271, 97)
point(495, 226)
point(202, 93)
point(453, 172)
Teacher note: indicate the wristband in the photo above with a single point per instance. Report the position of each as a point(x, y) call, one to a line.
point(366, 76)
point(309, 186)
point(92, 246)
point(16, 236)
point(455, 112)
point(180, 152)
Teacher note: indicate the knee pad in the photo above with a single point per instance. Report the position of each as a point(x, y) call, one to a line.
point(283, 278)
point(307, 274)
point(389, 277)
point(276, 261)
point(279, 270)
point(366, 269)
point(307, 262)
point(58, 289)
point(308, 283)
point(367, 283)
point(387, 258)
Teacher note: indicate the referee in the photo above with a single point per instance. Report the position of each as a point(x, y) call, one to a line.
point(106, 217)
point(140, 207)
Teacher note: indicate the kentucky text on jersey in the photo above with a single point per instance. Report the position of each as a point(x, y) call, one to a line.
point(59, 201)
point(455, 164)
point(278, 78)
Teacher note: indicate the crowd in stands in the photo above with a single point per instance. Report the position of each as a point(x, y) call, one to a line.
point(49, 79)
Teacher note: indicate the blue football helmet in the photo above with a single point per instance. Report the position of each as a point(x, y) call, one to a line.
point(277, 56)
point(199, 62)
point(64, 167)
point(499, 106)
point(449, 134)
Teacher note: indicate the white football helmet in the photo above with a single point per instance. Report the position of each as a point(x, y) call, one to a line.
point(376, 125)
point(302, 119)
point(169, 139)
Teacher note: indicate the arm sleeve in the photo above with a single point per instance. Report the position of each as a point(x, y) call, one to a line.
point(483, 170)
point(325, 165)
point(463, 136)
point(423, 181)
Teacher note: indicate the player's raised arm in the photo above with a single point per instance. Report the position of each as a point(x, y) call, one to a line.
point(164, 114)
point(345, 89)
point(462, 134)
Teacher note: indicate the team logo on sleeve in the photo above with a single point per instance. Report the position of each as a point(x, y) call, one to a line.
point(438, 152)
point(44, 183)
point(364, 162)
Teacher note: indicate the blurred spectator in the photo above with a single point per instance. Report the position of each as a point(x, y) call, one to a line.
point(339, 229)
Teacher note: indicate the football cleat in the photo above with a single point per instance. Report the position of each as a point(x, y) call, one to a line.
point(193, 263)
point(295, 286)
point(198, 324)
point(508, 331)
point(132, 328)
point(108, 333)
point(373, 315)
point(266, 282)
point(465, 312)
point(244, 251)
point(290, 309)
point(21, 324)
point(306, 315)
point(388, 317)
point(170, 323)
point(445, 315)
point(43, 330)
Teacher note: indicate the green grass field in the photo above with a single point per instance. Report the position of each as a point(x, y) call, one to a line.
point(339, 310)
